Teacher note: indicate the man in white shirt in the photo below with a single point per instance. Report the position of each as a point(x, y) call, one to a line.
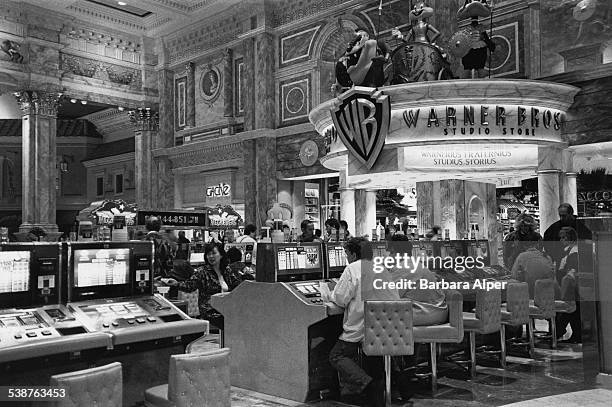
point(347, 294)
point(249, 235)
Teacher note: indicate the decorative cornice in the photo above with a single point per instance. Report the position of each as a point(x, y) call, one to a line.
point(144, 119)
point(111, 159)
point(38, 102)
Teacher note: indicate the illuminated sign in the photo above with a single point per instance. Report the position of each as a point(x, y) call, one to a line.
point(218, 191)
point(170, 218)
point(362, 122)
point(224, 217)
point(483, 119)
point(595, 196)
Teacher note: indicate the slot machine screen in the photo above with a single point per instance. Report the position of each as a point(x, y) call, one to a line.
point(14, 271)
point(298, 259)
point(196, 258)
point(336, 257)
point(101, 267)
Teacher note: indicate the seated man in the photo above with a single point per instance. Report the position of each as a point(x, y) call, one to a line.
point(347, 294)
point(532, 265)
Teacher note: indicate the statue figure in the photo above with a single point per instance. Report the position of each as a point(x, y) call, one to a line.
point(419, 58)
point(472, 44)
point(363, 62)
point(12, 50)
point(278, 212)
point(419, 32)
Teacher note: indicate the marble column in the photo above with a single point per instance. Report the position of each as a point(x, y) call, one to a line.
point(365, 212)
point(548, 198)
point(570, 190)
point(260, 178)
point(39, 163)
point(550, 165)
point(347, 202)
point(228, 83)
point(264, 84)
point(145, 123)
point(425, 206)
point(248, 51)
point(163, 187)
point(190, 96)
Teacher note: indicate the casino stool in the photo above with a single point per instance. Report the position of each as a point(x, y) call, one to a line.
point(99, 386)
point(543, 307)
point(197, 379)
point(450, 332)
point(486, 320)
point(388, 332)
point(514, 312)
point(193, 310)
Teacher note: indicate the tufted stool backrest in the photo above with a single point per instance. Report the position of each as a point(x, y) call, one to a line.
point(192, 298)
point(544, 297)
point(488, 310)
point(200, 379)
point(388, 328)
point(99, 386)
point(517, 298)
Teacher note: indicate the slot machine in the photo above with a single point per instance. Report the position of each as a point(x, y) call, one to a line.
point(33, 321)
point(246, 249)
point(283, 262)
point(335, 259)
point(110, 287)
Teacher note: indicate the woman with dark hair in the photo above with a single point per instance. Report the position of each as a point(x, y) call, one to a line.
point(521, 239)
point(214, 277)
point(344, 228)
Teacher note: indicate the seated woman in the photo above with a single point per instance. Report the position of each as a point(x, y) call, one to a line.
point(429, 305)
point(212, 278)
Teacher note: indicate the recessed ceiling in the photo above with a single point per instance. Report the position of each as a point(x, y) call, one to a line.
point(124, 6)
point(69, 110)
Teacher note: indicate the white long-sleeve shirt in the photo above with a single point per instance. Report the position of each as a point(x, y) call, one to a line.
point(347, 294)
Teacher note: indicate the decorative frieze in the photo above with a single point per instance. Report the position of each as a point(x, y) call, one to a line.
point(208, 156)
point(11, 51)
point(98, 70)
point(38, 102)
point(103, 44)
point(290, 10)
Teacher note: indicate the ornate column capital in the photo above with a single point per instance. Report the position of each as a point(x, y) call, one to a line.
point(38, 102)
point(144, 119)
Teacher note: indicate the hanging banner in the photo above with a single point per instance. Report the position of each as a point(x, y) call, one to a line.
point(223, 217)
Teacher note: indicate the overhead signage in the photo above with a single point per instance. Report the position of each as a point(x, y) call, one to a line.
point(218, 191)
point(362, 121)
point(595, 196)
point(470, 158)
point(223, 217)
point(174, 218)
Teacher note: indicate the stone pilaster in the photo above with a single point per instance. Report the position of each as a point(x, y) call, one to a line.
point(347, 201)
point(190, 102)
point(163, 188)
point(228, 83)
point(365, 212)
point(260, 178)
point(265, 116)
point(39, 163)
point(146, 127)
point(249, 83)
point(550, 175)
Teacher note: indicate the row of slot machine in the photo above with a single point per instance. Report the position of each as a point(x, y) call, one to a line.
point(293, 323)
point(66, 298)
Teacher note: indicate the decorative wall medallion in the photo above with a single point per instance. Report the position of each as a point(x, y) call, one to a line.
point(309, 153)
point(210, 84)
point(295, 99)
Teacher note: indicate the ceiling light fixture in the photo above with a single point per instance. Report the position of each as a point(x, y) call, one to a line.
point(120, 108)
point(122, 3)
point(83, 102)
point(73, 100)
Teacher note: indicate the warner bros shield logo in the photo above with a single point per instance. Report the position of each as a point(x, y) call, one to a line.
point(362, 121)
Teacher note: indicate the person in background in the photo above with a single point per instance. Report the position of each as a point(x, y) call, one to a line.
point(552, 234)
point(250, 231)
point(235, 263)
point(318, 234)
point(214, 277)
point(182, 251)
point(532, 265)
point(567, 278)
point(519, 240)
point(391, 230)
point(344, 228)
point(347, 294)
point(434, 234)
point(162, 263)
point(332, 229)
point(308, 232)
